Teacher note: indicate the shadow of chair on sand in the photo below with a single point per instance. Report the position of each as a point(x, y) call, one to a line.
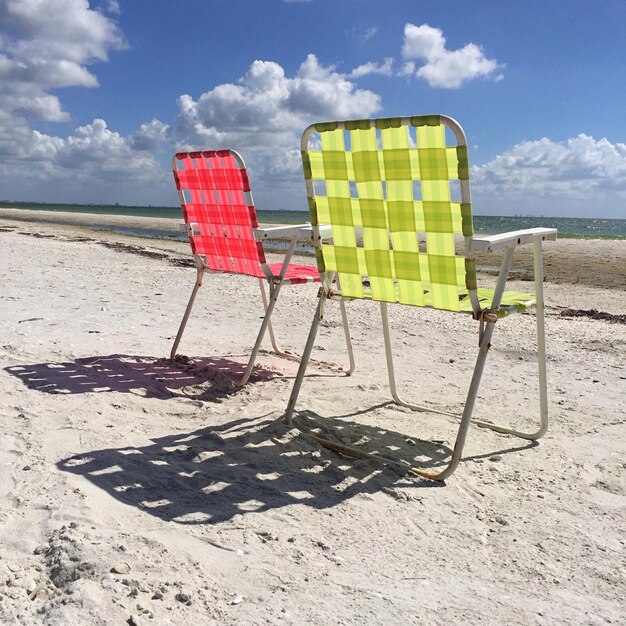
point(201, 378)
point(255, 464)
point(248, 465)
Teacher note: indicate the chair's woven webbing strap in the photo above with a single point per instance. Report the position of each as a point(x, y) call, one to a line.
point(382, 192)
point(216, 196)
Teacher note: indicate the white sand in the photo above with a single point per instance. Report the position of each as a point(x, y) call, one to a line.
point(111, 455)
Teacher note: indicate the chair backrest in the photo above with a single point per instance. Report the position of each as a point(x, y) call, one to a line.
point(215, 196)
point(396, 193)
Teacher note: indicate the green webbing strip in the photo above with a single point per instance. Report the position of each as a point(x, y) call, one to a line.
point(388, 122)
point(306, 165)
point(314, 162)
point(335, 166)
point(437, 216)
point(372, 215)
point(463, 160)
point(313, 211)
point(466, 216)
point(388, 198)
point(365, 163)
point(395, 138)
point(322, 127)
point(357, 125)
point(425, 120)
point(433, 164)
point(321, 266)
point(470, 274)
point(397, 164)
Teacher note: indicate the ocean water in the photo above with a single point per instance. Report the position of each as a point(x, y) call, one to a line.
point(591, 228)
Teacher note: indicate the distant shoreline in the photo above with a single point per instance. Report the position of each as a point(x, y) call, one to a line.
point(156, 212)
point(163, 221)
point(93, 219)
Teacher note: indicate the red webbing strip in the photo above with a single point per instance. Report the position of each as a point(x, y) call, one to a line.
point(260, 251)
point(253, 217)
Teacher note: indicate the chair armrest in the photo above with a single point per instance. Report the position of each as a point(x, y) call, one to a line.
point(325, 230)
point(301, 231)
point(281, 232)
point(495, 243)
point(185, 227)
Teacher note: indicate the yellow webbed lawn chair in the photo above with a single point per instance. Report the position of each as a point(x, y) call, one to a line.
point(223, 230)
point(386, 186)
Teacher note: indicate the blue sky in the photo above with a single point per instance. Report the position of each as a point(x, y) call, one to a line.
point(96, 96)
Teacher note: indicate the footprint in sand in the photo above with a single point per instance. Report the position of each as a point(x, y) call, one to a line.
point(9, 459)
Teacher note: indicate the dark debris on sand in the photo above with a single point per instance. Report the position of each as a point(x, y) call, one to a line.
point(594, 315)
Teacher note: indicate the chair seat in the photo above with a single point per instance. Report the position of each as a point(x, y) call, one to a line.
point(512, 301)
point(296, 274)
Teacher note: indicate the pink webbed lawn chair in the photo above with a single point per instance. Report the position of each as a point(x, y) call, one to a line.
point(215, 196)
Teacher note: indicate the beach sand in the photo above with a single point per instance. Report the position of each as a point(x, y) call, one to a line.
point(211, 511)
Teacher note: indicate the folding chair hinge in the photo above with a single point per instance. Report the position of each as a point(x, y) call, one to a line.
point(486, 315)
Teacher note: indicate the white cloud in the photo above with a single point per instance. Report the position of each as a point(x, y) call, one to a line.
point(94, 164)
point(266, 107)
point(263, 115)
point(384, 69)
point(317, 91)
point(150, 136)
point(369, 33)
point(47, 44)
point(93, 149)
point(362, 34)
point(113, 6)
point(580, 176)
point(42, 107)
point(408, 69)
point(442, 67)
point(15, 137)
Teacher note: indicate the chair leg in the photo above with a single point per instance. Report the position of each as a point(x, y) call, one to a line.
point(270, 327)
point(541, 340)
point(288, 355)
point(346, 329)
point(466, 418)
point(181, 328)
point(306, 355)
point(391, 371)
point(346, 332)
point(541, 359)
point(274, 291)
